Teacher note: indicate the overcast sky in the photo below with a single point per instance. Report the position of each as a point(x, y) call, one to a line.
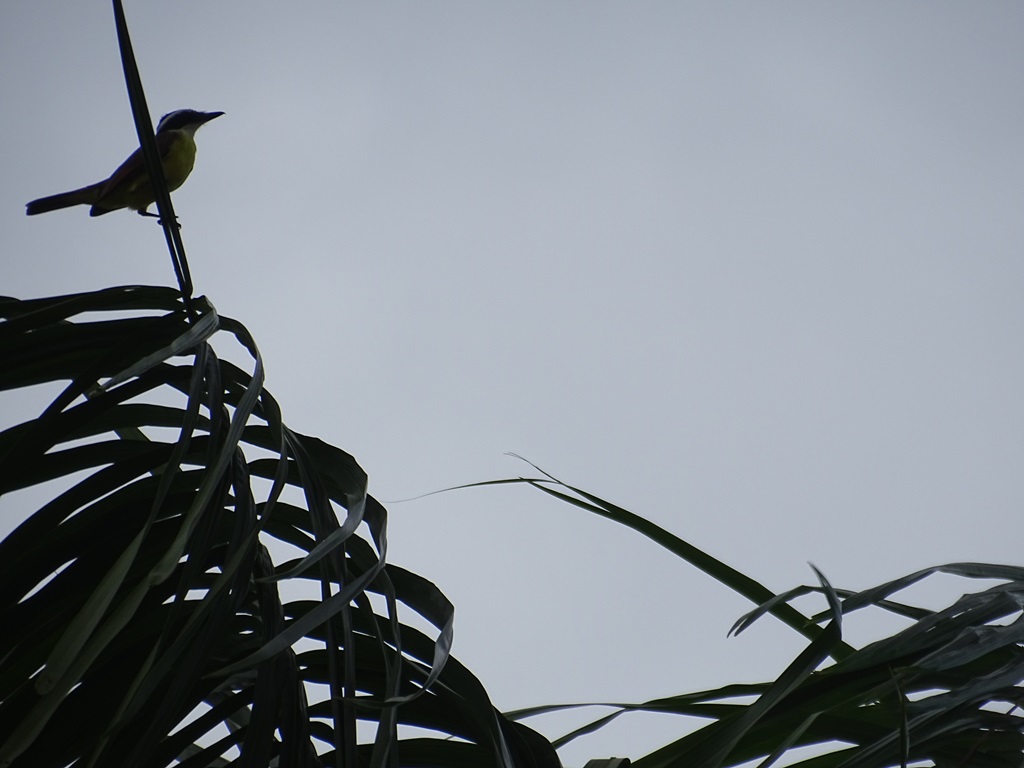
point(752, 270)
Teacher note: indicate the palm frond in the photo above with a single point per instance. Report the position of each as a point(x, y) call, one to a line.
point(945, 690)
point(146, 619)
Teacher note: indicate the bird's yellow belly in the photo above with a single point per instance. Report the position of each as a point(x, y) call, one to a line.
point(179, 161)
point(177, 164)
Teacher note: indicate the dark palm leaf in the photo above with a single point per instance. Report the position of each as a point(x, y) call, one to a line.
point(944, 691)
point(144, 616)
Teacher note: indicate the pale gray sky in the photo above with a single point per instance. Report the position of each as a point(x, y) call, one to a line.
point(752, 270)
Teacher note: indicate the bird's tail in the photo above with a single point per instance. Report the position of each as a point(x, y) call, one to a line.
point(84, 196)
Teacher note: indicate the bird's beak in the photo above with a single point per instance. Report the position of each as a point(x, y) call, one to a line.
point(208, 116)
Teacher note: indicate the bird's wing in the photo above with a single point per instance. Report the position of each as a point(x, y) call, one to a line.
point(132, 171)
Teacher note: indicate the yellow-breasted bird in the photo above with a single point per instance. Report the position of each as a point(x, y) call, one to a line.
point(128, 186)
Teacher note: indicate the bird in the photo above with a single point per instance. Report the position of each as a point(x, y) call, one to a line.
point(129, 186)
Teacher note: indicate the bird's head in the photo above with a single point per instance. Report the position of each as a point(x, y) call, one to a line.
point(187, 120)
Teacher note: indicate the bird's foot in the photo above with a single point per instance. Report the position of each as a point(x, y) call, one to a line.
point(158, 219)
